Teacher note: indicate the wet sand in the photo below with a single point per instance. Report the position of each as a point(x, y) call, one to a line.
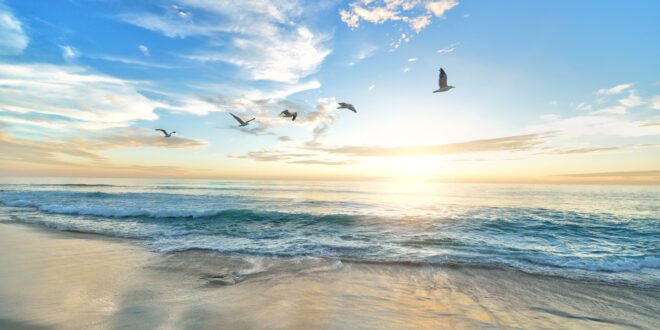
point(51, 279)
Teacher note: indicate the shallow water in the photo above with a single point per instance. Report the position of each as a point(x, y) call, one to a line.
point(605, 234)
point(63, 280)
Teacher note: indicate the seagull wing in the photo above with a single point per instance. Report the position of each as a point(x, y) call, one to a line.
point(352, 108)
point(239, 120)
point(285, 112)
point(295, 114)
point(443, 79)
point(162, 130)
point(342, 105)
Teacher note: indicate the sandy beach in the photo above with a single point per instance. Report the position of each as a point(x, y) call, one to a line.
point(62, 280)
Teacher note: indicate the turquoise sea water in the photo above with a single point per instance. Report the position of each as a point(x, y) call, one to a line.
point(595, 233)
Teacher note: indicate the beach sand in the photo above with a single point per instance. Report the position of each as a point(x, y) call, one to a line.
point(51, 279)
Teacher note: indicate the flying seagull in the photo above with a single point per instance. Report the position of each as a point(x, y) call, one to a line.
point(288, 114)
point(443, 82)
point(165, 132)
point(344, 105)
point(240, 121)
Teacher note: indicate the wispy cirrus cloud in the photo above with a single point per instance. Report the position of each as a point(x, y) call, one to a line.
point(651, 173)
point(13, 39)
point(87, 148)
point(73, 95)
point(36, 157)
point(618, 89)
point(567, 151)
point(509, 144)
point(266, 39)
point(292, 158)
point(315, 152)
point(596, 124)
point(130, 61)
point(364, 53)
point(139, 137)
point(447, 49)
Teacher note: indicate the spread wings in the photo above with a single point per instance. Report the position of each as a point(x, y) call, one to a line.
point(239, 120)
point(443, 79)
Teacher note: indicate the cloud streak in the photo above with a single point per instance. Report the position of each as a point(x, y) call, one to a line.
point(624, 174)
point(13, 39)
point(618, 89)
point(292, 158)
point(509, 143)
point(85, 149)
point(78, 97)
point(581, 150)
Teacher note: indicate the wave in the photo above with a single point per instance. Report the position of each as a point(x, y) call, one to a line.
point(67, 185)
point(227, 215)
point(596, 245)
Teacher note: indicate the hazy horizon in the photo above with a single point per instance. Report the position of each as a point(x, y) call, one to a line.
point(554, 92)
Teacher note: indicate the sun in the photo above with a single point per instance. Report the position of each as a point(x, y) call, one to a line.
point(411, 168)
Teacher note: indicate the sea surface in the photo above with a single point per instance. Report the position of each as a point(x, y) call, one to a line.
point(608, 234)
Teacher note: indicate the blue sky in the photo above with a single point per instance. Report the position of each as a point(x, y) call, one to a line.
point(557, 91)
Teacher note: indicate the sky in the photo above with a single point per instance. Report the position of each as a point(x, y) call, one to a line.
point(546, 92)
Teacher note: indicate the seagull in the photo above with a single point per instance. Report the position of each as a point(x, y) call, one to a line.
point(165, 132)
point(240, 121)
point(443, 82)
point(288, 114)
point(344, 105)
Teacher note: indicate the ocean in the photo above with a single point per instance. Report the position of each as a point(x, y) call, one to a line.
point(607, 234)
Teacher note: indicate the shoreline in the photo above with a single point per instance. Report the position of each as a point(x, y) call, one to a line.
point(56, 279)
point(344, 260)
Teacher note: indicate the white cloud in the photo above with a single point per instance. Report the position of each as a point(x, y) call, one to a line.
point(363, 54)
point(583, 106)
point(417, 14)
point(598, 124)
point(13, 39)
point(129, 61)
point(69, 53)
point(616, 109)
point(420, 22)
point(286, 59)
point(633, 100)
point(412, 59)
point(72, 96)
point(326, 103)
point(439, 8)
point(618, 89)
point(245, 100)
point(447, 49)
point(266, 38)
point(655, 102)
point(144, 50)
point(371, 87)
point(550, 117)
point(406, 70)
point(630, 101)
